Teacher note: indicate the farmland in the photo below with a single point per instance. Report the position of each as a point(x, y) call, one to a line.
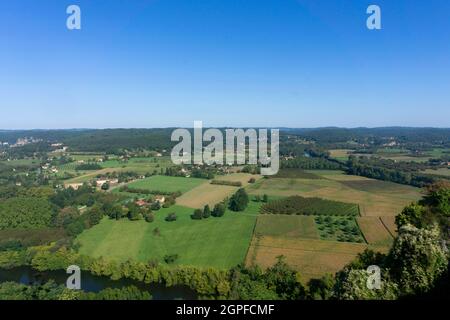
point(218, 242)
point(315, 245)
point(167, 184)
point(310, 206)
point(374, 231)
point(375, 198)
point(313, 258)
point(286, 226)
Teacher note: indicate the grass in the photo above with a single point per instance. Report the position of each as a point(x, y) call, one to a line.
point(206, 194)
point(215, 242)
point(286, 226)
point(312, 258)
point(21, 162)
point(374, 231)
point(167, 183)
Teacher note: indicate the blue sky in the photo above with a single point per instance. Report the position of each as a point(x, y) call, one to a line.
point(291, 63)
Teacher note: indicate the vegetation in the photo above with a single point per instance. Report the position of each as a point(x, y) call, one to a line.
point(239, 200)
point(227, 183)
point(309, 206)
point(25, 213)
point(339, 228)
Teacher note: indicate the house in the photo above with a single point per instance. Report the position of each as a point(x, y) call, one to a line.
point(142, 203)
point(100, 183)
point(160, 199)
point(74, 186)
point(111, 182)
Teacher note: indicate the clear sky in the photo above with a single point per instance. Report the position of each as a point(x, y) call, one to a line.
point(291, 63)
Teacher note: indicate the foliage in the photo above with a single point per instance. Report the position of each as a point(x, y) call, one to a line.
point(412, 214)
point(227, 183)
point(309, 163)
point(25, 213)
point(309, 206)
point(206, 212)
point(417, 258)
point(171, 217)
point(197, 215)
point(239, 200)
point(219, 210)
point(89, 166)
point(387, 170)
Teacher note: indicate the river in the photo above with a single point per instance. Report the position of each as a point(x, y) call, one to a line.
point(92, 283)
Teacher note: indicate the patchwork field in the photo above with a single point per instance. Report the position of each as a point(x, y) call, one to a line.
point(286, 226)
point(312, 258)
point(204, 194)
point(374, 231)
point(374, 197)
point(167, 183)
point(216, 242)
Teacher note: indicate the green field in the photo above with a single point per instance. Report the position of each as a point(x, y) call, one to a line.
point(216, 242)
point(167, 183)
point(286, 226)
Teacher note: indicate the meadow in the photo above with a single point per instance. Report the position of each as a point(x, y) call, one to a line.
point(215, 242)
point(167, 183)
point(286, 226)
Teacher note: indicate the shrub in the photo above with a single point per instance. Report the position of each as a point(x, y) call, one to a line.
point(239, 200)
point(171, 217)
point(219, 210)
point(170, 258)
point(197, 215)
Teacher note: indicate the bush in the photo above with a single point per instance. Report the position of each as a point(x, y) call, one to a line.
point(170, 258)
point(171, 217)
point(227, 183)
point(219, 210)
point(206, 212)
point(197, 215)
point(149, 217)
point(239, 200)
